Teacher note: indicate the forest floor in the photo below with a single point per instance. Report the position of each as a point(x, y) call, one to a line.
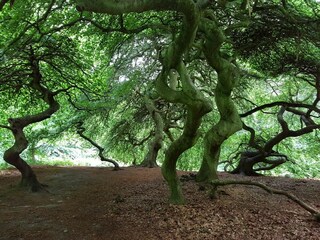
point(97, 203)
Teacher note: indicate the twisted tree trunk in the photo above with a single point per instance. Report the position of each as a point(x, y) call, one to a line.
point(197, 106)
point(17, 125)
point(172, 58)
point(249, 158)
point(230, 121)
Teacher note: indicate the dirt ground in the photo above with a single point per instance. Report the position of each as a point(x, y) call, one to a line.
point(97, 203)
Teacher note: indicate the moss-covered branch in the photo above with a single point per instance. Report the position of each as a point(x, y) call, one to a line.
point(197, 106)
point(188, 8)
point(230, 121)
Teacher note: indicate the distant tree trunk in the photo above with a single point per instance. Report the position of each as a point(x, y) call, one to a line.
point(134, 162)
point(80, 131)
point(230, 121)
point(150, 160)
point(12, 155)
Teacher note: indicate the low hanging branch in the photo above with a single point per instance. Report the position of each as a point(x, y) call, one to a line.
point(314, 212)
point(80, 130)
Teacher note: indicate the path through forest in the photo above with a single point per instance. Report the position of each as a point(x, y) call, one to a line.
point(96, 203)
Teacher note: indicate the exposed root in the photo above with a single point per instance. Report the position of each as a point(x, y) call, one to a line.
point(314, 212)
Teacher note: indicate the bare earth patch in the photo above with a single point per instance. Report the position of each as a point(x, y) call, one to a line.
point(97, 203)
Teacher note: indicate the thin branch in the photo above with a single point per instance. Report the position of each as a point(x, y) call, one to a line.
point(7, 127)
point(280, 103)
point(80, 131)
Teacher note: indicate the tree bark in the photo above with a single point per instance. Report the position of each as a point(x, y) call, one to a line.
point(196, 104)
point(247, 162)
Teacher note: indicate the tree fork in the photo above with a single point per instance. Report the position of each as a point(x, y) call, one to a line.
point(314, 212)
point(172, 59)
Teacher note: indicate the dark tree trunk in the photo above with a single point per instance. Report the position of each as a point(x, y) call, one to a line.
point(246, 163)
point(150, 159)
point(12, 155)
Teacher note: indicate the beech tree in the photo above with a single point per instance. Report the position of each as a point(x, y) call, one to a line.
point(173, 67)
point(201, 32)
point(159, 75)
point(37, 65)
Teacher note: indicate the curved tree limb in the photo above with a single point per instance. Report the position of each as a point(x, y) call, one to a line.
point(252, 141)
point(197, 106)
point(283, 123)
point(270, 190)
point(80, 131)
point(280, 103)
point(229, 121)
point(188, 8)
point(264, 151)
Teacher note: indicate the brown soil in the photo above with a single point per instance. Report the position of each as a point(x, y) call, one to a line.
point(97, 203)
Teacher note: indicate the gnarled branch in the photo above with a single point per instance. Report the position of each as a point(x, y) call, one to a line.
point(80, 131)
point(270, 190)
